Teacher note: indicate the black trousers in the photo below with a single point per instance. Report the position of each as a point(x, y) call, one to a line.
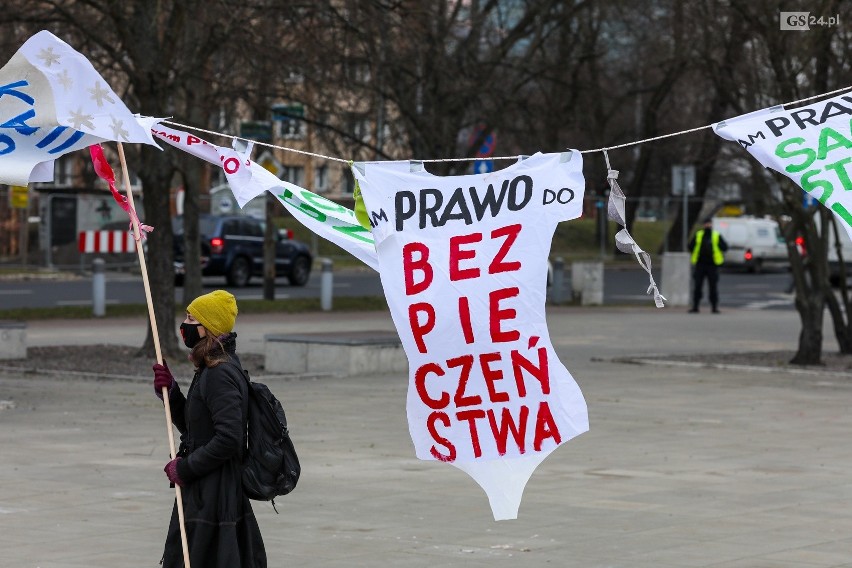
point(711, 273)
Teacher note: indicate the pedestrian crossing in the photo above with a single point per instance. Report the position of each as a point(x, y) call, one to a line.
point(778, 300)
point(771, 301)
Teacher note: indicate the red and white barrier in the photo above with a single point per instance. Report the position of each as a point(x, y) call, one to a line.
point(106, 241)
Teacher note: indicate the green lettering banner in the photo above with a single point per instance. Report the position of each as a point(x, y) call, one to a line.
point(811, 145)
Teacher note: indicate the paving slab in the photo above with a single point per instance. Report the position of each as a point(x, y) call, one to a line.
point(682, 467)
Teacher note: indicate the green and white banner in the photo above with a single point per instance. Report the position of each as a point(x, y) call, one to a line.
point(811, 145)
point(248, 179)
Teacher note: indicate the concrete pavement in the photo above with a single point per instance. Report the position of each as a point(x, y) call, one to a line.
point(682, 467)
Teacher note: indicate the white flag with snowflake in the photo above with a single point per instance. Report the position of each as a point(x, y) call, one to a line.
point(52, 101)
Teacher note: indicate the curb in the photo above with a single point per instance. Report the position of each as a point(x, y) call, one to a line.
point(46, 276)
point(724, 367)
point(143, 378)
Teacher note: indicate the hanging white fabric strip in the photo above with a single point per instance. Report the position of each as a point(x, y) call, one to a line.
point(623, 239)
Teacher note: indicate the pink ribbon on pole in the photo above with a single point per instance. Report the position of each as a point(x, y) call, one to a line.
point(104, 171)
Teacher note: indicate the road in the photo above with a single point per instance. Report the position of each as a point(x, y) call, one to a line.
point(122, 288)
point(768, 290)
point(621, 286)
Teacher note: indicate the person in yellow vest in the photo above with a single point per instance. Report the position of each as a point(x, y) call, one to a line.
point(708, 253)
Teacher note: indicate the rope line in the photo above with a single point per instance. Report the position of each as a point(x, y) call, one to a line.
point(435, 160)
point(626, 144)
point(255, 142)
point(691, 130)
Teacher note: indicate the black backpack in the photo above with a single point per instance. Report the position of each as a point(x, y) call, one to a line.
point(270, 465)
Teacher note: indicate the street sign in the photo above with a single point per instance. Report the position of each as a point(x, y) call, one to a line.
point(809, 200)
point(257, 130)
point(483, 166)
point(19, 196)
point(683, 184)
point(488, 141)
point(683, 180)
point(487, 148)
point(289, 120)
point(269, 163)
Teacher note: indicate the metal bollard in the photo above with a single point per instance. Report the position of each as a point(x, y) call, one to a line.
point(557, 287)
point(98, 288)
point(326, 284)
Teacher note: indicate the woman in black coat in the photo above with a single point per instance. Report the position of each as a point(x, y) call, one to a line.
point(221, 529)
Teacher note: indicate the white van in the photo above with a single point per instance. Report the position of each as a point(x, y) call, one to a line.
point(753, 242)
point(845, 251)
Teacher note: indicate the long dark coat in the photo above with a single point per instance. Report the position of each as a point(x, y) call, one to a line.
point(221, 529)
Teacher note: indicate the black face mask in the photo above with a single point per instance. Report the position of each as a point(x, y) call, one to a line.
point(189, 332)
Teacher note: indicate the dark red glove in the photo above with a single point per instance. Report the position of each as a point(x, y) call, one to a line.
point(163, 378)
point(172, 472)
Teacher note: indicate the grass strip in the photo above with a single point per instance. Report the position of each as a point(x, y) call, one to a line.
point(292, 305)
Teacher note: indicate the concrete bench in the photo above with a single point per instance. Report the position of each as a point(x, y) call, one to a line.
point(337, 353)
point(587, 282)
point(13, 340)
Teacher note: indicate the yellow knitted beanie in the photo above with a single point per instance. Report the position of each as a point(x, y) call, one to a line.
point(216, 311)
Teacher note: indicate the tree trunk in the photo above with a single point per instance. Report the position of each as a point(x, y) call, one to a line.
point(810, 345)
point(192, 179)
point(809, 278)
point(841, 327)
point(156, 174)
point(270, 239)
point(841, 316)
point(810, 308)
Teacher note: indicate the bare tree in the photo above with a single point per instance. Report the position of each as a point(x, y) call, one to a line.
point(788, 66)
point(425, 73)
point(410, 79)
point(159, 54)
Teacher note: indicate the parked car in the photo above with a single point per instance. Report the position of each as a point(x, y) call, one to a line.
point(753, 242)
point(232, 246)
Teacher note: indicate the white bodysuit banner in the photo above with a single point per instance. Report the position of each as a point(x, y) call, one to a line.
point(463, 263)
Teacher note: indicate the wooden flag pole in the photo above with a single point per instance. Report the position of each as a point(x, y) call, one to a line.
point(156, 338)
